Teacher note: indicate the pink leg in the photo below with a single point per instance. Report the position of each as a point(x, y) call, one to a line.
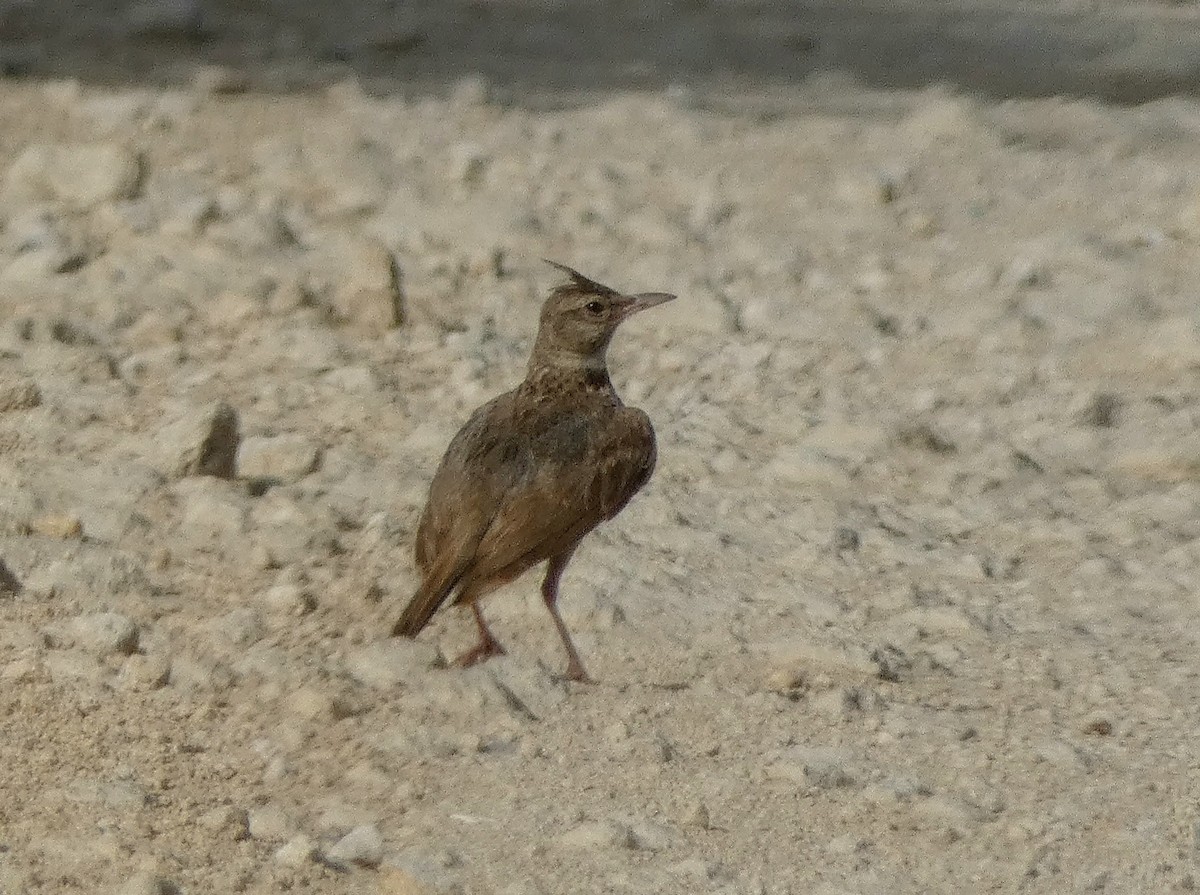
point(554, 571)
point(487, 646)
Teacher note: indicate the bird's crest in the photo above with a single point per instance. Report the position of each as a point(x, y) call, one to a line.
point(579, 283)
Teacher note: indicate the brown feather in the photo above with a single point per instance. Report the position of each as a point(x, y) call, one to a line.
point(537, 468)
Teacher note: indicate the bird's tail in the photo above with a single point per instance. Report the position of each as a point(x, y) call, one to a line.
point(425, 602)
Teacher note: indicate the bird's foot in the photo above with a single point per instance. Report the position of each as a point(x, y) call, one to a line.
point(480, 652)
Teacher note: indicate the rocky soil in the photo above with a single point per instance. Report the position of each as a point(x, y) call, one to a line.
point(910, 605)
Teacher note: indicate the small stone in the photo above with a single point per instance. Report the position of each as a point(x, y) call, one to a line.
point(260, 558)
point(1026, 273)
point(236, 630)
point(200, 442)
point(597, 836)
point(845, 702)
point(1059, 755)
point(371, 299)
point(116, 112)
point(399, 881)
point(867, 190)
point(885, 188)
point(270, 823)
point(926, 623)
point(787, 680)
point(151, 364)
point(311, 348)
point(385, 664)
point(697, 870)
point(212, 510)
point(19, 394)
point(45, 247)
point(697, 816)
point(811, 659)
point(709, 210)
point(617, 732)
point(946, 813)
point(284, 458)
point(467, 164)
point(1099, 726)
point(923, 436)
point(841, 441)
point(846, 539)
point(64, 526)
point(66, 331)
point(230, 310)
point(104, 633)
point(154, 329)
point(339, 818)
point(82, 175)
point(647, 835)
point(69, 669)
point(824, 768)
point(9, 583)
point(354, 380)
point(291, 532)
point(288, 296)
point(1170, 463)
point(310, 704)
point(20, 671)
point(143, 673)
point(190, 675)
point(920, 224)
point(190, 216)
point(288, 600)
point(275, 770)
point(363, 846)
point(226, 821)
point(296, 852)
point(1101, 410)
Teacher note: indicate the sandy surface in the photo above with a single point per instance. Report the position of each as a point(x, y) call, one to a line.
point(911, 603)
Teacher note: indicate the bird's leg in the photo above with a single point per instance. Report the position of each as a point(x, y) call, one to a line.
point(487, 646)
point(554, 571)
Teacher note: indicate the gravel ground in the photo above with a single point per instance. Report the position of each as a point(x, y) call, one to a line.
point(910, 604)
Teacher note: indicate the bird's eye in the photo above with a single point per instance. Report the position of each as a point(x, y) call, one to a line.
point(594, 307)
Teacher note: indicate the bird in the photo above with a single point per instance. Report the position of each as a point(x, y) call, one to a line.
point(536, 469)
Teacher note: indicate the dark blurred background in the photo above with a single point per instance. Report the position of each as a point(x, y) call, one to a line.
point(558, 53)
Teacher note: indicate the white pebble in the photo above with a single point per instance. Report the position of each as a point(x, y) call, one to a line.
point(270, 823)
point(388, 663)
point(83, 175)
point(104, 633)
point(296, 851)
point(282, 457)
point(363, 845)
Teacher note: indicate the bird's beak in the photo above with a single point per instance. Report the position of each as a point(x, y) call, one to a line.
point(643, 301)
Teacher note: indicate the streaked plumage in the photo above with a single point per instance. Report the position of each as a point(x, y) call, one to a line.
point(535, 469)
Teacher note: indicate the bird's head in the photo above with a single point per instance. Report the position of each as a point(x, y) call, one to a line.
point(579, 319)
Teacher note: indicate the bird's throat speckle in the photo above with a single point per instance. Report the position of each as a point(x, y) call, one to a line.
point(565, 372)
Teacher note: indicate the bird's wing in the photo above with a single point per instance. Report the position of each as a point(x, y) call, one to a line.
point(508, 496)
point(481, 464)
point(581, 475)
point(482, 461)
